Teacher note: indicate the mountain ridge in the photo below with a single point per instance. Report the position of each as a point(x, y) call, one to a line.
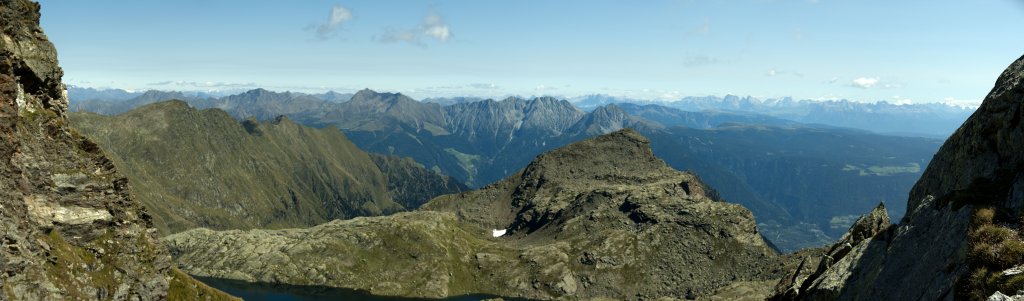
point(250, 174)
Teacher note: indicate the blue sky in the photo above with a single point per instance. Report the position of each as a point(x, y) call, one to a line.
point(863, 50)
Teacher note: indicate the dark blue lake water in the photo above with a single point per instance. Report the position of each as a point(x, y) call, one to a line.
point(283, 292)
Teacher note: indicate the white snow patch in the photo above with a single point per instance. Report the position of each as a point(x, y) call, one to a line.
point(498, 233)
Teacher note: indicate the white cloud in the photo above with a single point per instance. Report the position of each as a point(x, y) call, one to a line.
point(865, 82)
point(771, 73)
point(433, 27)
point(963, 103)
point(338, 16)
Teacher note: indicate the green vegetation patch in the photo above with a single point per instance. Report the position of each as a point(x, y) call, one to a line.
point(842, 221)
point(466, 161)
point(883, 171)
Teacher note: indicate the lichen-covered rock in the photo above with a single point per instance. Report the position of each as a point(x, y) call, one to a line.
point(68, 228)
point(1000, 296)
point(601, 218)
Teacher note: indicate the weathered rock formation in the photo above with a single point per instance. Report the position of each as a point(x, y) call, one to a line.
point(68, 228)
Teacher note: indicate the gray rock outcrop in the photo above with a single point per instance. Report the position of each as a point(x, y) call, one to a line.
point(68, 228)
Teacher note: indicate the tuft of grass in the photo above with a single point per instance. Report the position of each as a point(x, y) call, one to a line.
point(983, 216)
point(994, 245)
point(183, 287)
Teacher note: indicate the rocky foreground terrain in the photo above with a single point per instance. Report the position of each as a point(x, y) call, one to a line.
point(68, 228)
point(598, 218)
point(961, 236)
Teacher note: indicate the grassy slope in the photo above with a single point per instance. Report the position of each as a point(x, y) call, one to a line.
point(202, 168)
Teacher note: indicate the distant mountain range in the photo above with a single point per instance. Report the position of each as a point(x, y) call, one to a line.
point(805, 182)
point(934, 120)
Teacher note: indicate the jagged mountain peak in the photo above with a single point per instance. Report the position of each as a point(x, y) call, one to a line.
point(258, 91)
point(371, 95)
point(610, 118)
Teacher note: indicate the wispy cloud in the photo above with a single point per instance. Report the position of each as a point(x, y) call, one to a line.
point(864, 82)
point(963, 103)
point(699, 60)
point(704, 29)
point(776, 72)
point(392, 35)
point(433, 27)
point(338, 16)
point(483, 86)
point(541, 88)
point(902, 100)
point(207, 84)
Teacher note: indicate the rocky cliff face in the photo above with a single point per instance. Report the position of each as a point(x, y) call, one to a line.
point(598, 218)
point(68, 228)
point(938, 250)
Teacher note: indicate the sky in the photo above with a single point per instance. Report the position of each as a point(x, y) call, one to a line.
point(906, 51)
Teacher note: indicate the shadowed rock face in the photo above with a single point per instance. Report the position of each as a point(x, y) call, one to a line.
point(599, 218)
point(923, 257)
point(68, 228)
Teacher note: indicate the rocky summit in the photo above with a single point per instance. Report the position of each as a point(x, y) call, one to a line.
point(598, 218)
point(68, 228)
point(961, 236)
